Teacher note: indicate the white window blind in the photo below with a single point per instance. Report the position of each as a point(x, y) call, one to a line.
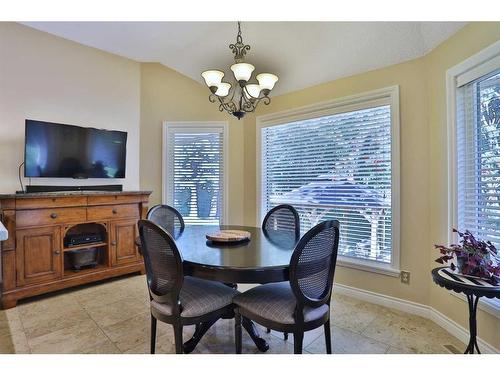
point(478, 157)
point(335, 167)
point(195, 173)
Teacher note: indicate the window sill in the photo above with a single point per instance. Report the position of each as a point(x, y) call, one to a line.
point(369, 266)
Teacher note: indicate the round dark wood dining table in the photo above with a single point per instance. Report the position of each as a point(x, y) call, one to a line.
point(263, 259)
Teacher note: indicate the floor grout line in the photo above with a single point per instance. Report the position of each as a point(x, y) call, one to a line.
point(24, 330)
point(382, 343)
point(102, 330)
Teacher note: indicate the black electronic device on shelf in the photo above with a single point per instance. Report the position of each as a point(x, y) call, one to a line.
point(73, 240)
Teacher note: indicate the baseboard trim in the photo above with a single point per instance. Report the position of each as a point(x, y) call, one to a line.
point(419, 309)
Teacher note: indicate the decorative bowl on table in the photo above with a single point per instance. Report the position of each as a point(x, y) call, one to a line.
point(229, 236)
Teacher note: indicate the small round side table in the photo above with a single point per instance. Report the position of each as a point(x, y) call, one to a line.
point(474, 288)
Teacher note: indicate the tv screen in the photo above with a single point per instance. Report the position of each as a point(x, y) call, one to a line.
point(58, 150)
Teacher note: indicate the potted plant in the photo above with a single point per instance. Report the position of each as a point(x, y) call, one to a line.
point(473, 257)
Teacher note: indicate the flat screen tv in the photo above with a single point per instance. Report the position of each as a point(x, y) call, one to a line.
point(58, 150)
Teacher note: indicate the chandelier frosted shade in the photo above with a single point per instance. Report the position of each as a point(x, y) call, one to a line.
point(223, 89)
point(267, 81)
point(242, 71)
point(252, 90)
point(212, 77)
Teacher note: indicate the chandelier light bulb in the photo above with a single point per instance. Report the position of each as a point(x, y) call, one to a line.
point(267, 81)
point(242, 71)
point(252, 90)
point(223, 89)
point(212, 77)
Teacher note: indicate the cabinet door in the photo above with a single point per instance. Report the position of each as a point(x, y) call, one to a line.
point(38, 255)
point(123, 235)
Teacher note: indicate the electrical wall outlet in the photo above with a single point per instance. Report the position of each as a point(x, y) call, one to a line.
point(405, 277)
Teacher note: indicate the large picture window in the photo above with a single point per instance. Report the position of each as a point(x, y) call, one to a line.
point(473, 101)
point(338, 164)
point(194, 174)
point(478, 157)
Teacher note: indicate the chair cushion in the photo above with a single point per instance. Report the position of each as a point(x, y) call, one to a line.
point(199, 297)
point(276, 302)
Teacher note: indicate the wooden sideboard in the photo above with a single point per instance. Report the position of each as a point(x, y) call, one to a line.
point(34, 259)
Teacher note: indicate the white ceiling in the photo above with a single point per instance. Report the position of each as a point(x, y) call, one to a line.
point(302, 54)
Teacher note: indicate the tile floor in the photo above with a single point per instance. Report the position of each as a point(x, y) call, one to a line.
point(113, 317)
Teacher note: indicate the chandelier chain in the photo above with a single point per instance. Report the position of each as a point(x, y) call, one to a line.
point(239, 39)
point(239, 48)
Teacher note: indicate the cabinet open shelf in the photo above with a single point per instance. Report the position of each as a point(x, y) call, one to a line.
point(86, 246)
point(83, 232)
point(85, 258)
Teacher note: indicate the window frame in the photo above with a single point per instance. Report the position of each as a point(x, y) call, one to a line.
point(469, 68)
point(196, 126)
point(383, 96)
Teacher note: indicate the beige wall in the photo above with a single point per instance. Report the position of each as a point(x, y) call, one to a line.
point(167, 95)
point(468, 41)
point(44, 77)
point(414, 161)
point(423, 167)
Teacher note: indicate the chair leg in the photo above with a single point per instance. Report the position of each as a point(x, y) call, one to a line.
point(328, 337)
point(285, 334)
point(298, 338)
point(237, 331)
point(153, 334)
point(178, 338)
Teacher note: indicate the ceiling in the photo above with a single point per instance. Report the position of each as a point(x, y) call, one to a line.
point(302, 54)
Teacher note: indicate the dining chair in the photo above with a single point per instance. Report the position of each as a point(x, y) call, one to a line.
point(172, 221)
point(283, 217)
point(174, 298)
point(303, 303)
point(168, 218)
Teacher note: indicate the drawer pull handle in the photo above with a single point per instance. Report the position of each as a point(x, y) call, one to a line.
point(57, 252)
point(53, 215)
point(113, 243)
point(115, 211)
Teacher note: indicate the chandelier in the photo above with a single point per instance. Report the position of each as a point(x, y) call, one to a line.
point(245, 95)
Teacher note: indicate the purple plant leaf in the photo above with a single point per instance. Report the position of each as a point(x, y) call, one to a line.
point(475, 255)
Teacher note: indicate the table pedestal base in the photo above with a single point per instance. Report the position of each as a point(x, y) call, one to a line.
point(199, 332)
point(259, 342)
point(202, 328)
point(473, 300)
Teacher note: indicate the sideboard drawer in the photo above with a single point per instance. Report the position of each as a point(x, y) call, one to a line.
point(26, 203)
point(116, 211)
point(113, 199)
point(30, 218)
